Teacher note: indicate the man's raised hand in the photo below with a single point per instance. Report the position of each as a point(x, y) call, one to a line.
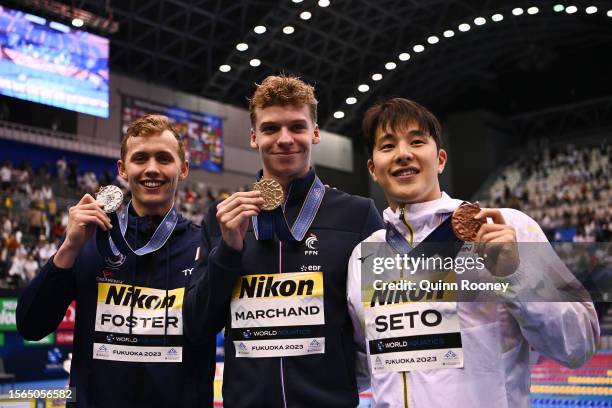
point(83, 218)
point(233, 215)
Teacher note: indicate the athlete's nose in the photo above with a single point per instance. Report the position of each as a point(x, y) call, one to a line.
point(285, 138)
point(404, 152)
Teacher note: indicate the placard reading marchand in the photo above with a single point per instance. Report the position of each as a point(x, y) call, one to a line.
point(278, 315)
point(156, 334)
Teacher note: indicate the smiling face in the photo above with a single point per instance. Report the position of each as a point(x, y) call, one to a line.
point(152, 167)
point(405, 163)
point(284, 135)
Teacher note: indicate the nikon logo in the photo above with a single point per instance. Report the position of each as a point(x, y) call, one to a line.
point(260, 286)
point(389, 296)
point(126, 296)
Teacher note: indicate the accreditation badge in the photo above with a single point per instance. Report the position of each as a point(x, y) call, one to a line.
point(278, 315)
point(412, 329)
point(139, 324)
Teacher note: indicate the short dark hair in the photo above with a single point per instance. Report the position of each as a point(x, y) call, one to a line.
point(395, 113)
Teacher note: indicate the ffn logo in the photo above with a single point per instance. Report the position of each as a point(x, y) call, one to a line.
point(311, 244)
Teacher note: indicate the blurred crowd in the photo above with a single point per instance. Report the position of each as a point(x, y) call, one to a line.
point(567, 191)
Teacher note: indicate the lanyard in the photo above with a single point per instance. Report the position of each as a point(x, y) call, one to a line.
point(115, 244)
point(268, 222)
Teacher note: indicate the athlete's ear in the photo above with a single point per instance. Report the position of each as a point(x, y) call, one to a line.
point(253, 141)
point(121, 170)
point(372, 170)
point(316, 138)
point(441, 160)
point(184, 170)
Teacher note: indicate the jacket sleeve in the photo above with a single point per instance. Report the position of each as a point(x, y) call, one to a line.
point(356, 312)
point(208, 295)
point(372, 221)
point(42, 305)
point(565, 331)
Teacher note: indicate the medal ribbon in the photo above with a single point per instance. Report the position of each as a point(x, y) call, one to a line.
point(268, 222)
point(115, 244)
point(443, 234)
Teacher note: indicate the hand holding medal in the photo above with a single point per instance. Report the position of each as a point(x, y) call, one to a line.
point(84, 218)
point(496, 241)
point(234, 212)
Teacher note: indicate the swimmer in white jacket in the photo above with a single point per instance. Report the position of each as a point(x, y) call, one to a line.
point(486, 344)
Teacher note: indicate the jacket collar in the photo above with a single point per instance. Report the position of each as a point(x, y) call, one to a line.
point(422, 217)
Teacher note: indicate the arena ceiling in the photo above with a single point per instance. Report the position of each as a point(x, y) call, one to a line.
point(524, 62)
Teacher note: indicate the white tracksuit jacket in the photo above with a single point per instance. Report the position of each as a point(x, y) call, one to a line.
point(496, 336)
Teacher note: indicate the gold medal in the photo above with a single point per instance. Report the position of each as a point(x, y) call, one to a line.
point(272, 193)
point(464, 225)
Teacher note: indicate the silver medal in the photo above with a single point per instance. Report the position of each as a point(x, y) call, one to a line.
point(111, 197)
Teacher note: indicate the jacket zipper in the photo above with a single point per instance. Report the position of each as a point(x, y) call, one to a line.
point(405, 381)
point(282, 374)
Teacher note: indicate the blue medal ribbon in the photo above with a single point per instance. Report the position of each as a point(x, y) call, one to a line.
point(115, 244)
point(269, 222)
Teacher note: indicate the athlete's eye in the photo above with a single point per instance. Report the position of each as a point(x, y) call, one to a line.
point(139, 158)
point(269, 129)
point(165, 158)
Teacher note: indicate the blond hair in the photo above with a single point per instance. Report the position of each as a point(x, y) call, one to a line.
point(283, 90)
point(150, 125)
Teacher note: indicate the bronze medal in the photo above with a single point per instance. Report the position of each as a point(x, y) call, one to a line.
point(272, 193)
point(464, 225)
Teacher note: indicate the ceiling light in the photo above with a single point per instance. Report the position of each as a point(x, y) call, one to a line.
point(259, 29)
point(558, 8)
point(418, 48)
point(242, 46)
point(591, 10)
point(404, 56)
point(390, 66)
point(305, 15)
point(297, 1)
point(363, 88)
point(609, 13)
point(288, 30)
point(464, 27)
point(254, 62)
point(571, 9)
point(225, 68)
point(77, 22)
point(351, 100)
point(433, 39)
point(517, 11)
point(448, 33)
point(497, 18)
point(377, 77)
point(533, 10)
point(323, 3)
point(480, 21)
point(338, 114)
